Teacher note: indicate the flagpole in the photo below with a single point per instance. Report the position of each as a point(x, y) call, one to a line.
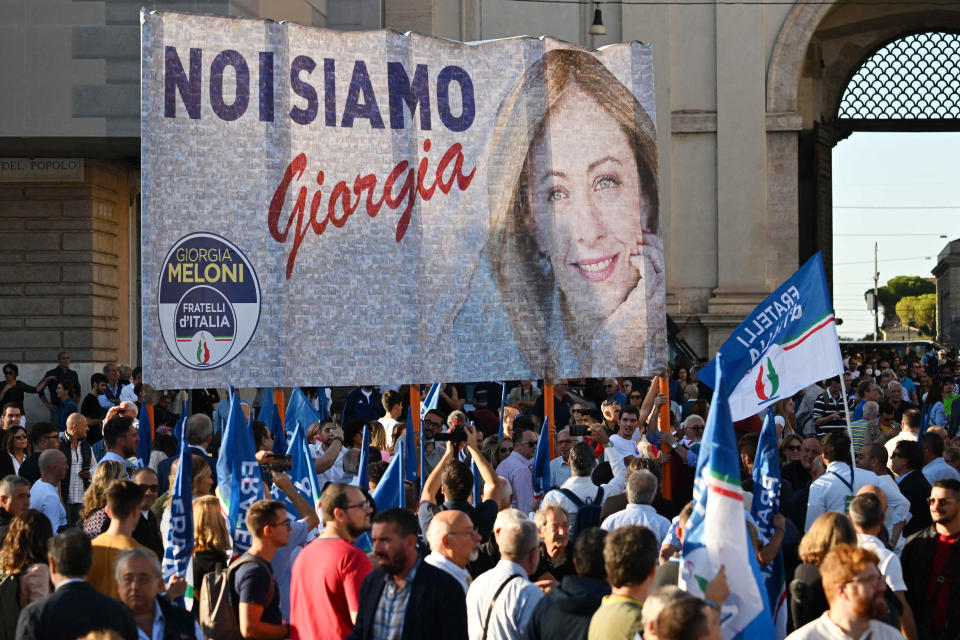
point(846, 414)
point(548, 412)
point(415, 410)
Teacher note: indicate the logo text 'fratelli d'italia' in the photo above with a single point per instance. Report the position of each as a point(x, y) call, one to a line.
point(208, 300)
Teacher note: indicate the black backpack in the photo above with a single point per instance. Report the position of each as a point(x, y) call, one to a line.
point(588, 513)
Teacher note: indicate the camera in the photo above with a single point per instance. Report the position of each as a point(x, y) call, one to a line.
point(280, 462)
point(457, 435)
point(579, 431)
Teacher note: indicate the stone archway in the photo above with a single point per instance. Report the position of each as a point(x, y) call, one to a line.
point(818, 50)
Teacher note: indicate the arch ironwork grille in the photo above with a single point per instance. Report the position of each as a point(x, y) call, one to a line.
point(916, 77)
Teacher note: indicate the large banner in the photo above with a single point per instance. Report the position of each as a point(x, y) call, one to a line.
point(333, 208)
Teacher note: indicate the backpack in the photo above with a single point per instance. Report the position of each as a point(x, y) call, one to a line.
point(587, 515)
point(219, 614)
point(9, 605)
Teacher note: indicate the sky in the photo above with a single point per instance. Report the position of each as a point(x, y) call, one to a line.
point(900, 190)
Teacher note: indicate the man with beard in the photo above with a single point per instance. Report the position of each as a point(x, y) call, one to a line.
point(931, 565)
point(855, 592)
point(454, 542)
point(326, 578)
point(395, 597)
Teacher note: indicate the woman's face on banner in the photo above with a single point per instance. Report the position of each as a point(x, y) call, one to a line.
point(586, 201)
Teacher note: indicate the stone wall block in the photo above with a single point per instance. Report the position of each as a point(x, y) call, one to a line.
point(39, 209)
point(30, 306)
point(28, 241)
point(31, 339)
point(38, 273)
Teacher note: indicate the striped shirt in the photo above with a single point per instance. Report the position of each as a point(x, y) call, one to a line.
point(388, 619)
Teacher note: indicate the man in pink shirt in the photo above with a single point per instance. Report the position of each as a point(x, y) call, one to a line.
point(326, 577)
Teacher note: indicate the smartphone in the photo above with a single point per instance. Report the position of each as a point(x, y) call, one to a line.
point(281, 462)
point(579, 431)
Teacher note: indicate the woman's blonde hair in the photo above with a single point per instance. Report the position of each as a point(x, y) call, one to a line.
point(789, 421)
point(95, 497)
point(519, 268)
point(209, 526)
point(830, 529)
point(378, 435)
point(200, 470)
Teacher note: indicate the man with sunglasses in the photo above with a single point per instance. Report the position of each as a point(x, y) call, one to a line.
point(931, 565)
point(516, 468)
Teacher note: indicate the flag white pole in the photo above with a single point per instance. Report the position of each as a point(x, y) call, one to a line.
point(846, 414)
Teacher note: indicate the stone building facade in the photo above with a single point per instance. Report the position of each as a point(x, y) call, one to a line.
point(747, 115)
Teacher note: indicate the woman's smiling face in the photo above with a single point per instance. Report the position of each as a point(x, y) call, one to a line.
point(586, 202)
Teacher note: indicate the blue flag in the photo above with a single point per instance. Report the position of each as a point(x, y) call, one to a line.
point(786, 344)
point(541, 461)
point(389, 492)
point(322, 402)
point(363, 469)
point(270, 416)
point(179, 543)
point(717, 534)
point(429, 402)
point(145, 446)
point(766, 505)
point(503, 403)
point(239, 483)
point(300, 410)
point(303, 475)
point(409, 446)
point(182, 421)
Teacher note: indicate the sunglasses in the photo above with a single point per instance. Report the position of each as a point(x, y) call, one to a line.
point(506, 450)
point(795, 447)
point(436, 424)
point(932, 501)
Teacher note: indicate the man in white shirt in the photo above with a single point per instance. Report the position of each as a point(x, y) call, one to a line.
point(139, 582)
point(873, 457)
point(934, 466)
point(516, 468)
point(560, 466)
point(393, 405)
point(834, 490)
point(854, 589)
point(866, 514)
point(580, 487)
point(622, 448)
point(454, 542)
point(909, 430)
point(501, 601)
point(641, 489)
point(45, 493)
point(328, 453)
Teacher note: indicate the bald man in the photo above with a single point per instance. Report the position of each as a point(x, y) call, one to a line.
point(80, 460)
point(454, 542)
point(45, 493)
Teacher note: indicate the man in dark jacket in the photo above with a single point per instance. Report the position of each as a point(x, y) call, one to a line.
point(75, 608)
point(907, 462)
point(566, 610)
point(140, 581)
point(931, 565)
point(404, 592)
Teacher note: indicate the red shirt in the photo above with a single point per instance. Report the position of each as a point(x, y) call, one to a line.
point(325, 588)
point(944, 546)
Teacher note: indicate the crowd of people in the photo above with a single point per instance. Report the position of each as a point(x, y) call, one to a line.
point(869, 514)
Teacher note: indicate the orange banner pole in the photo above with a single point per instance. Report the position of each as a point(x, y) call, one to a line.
point(415, 414)
point(153, 423)
point(549, 413)
point(667, 469)
point(280, 401)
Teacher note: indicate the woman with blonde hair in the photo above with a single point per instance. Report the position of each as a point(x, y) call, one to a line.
point(784, 413)
point(574, 243)
point(211, 542)
point(93, 516)
point(23, 553)
point(378, 439)
point(808, 600)
point(202, 485)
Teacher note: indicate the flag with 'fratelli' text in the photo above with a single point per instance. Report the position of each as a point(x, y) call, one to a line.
point(786, 344)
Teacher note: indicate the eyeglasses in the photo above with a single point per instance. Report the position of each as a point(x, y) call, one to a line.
point(355, 506)
point(506, 450)
point(151, 487)
point(932, 501)
point(793, 447)
point(579, 411)
point(529, 443)
point(436, 424)
point(874, 578)
point(7, 372)
point(283, 523)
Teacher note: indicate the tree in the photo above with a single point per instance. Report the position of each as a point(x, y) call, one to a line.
point(900, 287)
point(919, 312)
